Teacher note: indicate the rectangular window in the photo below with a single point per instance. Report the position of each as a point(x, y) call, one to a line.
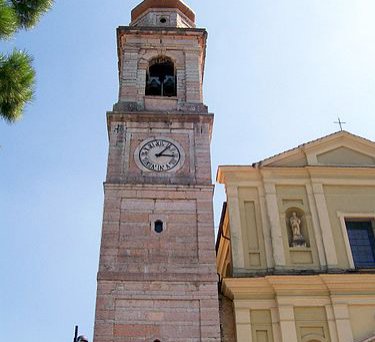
point(362, 243)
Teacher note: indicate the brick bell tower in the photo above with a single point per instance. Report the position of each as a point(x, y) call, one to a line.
point(157, 275)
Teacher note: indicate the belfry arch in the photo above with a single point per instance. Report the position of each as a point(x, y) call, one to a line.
point(161, 77)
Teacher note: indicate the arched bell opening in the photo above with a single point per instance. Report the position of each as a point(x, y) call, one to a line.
point(161, 78)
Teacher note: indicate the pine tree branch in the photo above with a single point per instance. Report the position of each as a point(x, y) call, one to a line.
point(29, 11)
point(8, 20)
point(17, 79)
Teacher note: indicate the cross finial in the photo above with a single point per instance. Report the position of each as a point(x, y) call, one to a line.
point(340, 123)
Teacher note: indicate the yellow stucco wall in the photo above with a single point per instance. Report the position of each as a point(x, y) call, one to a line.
point(362, 319)
point(347, 200)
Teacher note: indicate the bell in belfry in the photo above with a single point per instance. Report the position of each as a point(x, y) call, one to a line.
point(154, 85)
point(169, 85)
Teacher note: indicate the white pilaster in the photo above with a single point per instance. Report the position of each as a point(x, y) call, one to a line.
point(325, 224)
point(235, 227)
point(317, 230)
point(243, 325)
point(287, 323)
point(331, 323)
point(274, 218)
point(344, 329)
point(266, 229)
point(275, 325)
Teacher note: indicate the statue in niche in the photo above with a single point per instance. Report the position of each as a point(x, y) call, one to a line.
point(295, 223)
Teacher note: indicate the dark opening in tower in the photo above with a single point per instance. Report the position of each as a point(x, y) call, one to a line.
point(161, 77)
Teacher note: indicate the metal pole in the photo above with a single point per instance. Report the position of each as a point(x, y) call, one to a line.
point(75, 334)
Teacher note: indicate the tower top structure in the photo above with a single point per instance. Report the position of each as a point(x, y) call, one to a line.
point(163, 13)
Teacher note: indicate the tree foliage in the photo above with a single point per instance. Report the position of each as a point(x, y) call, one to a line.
point(16, 84)
point(17, 76)
point(28, 12)
point(8, 20)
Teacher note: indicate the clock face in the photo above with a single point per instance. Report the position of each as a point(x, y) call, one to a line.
point(159, 155)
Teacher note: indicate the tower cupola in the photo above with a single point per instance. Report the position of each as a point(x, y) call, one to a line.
point(163, 13)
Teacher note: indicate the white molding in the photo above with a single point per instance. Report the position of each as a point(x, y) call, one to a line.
point(254, 304)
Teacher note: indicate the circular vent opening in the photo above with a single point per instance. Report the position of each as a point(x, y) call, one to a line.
point(163, 20)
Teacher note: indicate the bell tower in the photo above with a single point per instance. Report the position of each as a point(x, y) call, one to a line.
point(157, 272)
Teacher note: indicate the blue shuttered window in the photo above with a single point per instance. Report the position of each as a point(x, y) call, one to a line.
point(362, 243)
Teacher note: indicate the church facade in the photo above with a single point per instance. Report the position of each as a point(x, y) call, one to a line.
point(296, 248)
point(157, 277)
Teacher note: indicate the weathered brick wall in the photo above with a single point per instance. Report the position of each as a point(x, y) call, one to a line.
point(227, 321)
point(132, 248)
point(145, 311)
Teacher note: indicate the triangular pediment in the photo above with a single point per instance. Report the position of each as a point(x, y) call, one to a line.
point(345, 156)
point(338, 149)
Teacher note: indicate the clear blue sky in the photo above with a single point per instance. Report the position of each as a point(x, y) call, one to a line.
point(278, 73)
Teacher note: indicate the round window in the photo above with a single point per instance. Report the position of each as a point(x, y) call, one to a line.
point(163, 20)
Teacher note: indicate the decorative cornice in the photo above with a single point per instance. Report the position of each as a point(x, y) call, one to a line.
point(319, 285)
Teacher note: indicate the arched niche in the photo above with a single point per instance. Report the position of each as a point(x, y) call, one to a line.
point(161, 78)
point(313, 338)
point(299, 214)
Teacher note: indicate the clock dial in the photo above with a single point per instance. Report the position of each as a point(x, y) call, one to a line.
point(159, 155)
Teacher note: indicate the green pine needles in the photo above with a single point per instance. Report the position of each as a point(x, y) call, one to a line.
point(17, 76)
point(29, 11)
point(8, 20)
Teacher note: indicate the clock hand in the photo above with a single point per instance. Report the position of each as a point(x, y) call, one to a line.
point(164, 155)
point(159, 154)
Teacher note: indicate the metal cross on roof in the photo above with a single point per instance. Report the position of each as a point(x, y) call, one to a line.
point(340, 123)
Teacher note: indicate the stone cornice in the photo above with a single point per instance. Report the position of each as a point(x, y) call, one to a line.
point(162, 187)
point(178, 277)
point(319, 285)
point(243, 173)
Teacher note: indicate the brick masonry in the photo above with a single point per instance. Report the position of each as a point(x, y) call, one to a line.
point(227, 321)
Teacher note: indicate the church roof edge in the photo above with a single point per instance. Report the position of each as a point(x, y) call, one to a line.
point(266, 161)
point(278, 156)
